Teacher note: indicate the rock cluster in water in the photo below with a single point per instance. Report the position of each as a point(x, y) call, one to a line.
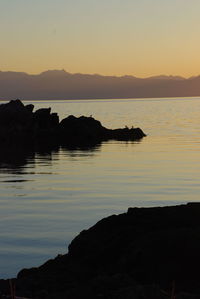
point(148, 253)
point(19, 124)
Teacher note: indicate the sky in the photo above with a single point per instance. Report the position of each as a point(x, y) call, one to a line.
point(110, 37)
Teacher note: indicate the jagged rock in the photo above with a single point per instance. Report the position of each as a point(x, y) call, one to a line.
point(19, 124)
point(30, 107)
point(14, 113)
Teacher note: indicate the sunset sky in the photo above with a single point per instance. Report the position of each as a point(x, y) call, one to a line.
point(110, 37)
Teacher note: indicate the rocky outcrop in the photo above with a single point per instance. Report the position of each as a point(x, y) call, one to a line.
point(19, 124)
point(145, 253)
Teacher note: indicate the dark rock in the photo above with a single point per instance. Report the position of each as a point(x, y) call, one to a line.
point(126, 134)
point(14, 113)
point(30, 107)
point(144, 253)
point(84, 129)
point(19, 124)
point(44, 119)
point(88, 129)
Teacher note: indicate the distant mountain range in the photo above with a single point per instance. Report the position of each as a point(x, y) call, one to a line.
point(61, 85)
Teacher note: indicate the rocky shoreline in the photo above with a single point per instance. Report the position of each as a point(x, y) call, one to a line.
point(148, 253)
point(20, 125)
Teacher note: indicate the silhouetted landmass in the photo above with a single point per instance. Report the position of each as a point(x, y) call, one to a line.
point(19, 125)
point(61, 85)
point(145, 253)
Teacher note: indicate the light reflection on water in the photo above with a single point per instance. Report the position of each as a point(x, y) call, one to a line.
point(47, 197)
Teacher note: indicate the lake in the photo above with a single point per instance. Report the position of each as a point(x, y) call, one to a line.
point(47, 198)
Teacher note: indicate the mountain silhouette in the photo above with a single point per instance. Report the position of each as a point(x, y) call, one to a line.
point(61, 85)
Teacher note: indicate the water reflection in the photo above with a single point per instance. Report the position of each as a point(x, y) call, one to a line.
point(14, 181)
point(15, 160)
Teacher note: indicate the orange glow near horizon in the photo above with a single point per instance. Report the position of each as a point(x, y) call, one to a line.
point(139, 38)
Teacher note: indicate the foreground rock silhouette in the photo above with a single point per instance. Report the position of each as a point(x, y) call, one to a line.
point(148, 253)
point(20, 125)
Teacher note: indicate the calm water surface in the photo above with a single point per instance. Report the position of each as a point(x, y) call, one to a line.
point(48, 197)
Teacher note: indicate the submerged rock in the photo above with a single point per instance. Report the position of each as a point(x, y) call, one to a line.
point(144, 253)
point(19, 124)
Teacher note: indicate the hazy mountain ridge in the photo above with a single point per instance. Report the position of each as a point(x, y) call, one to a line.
point(61, 85)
